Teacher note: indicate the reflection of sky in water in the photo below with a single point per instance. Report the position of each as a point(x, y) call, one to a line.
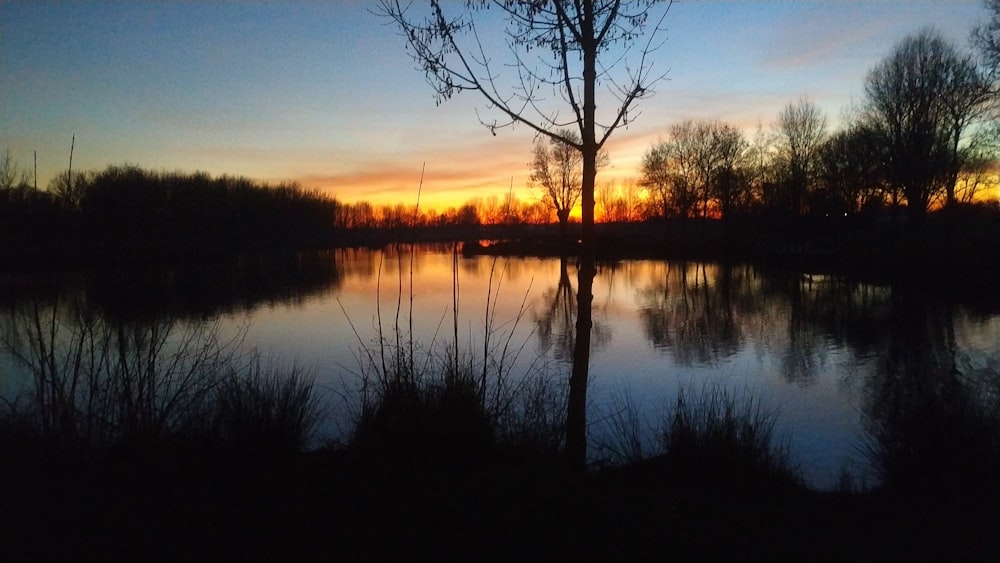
point(809, 347)
point(818, 411)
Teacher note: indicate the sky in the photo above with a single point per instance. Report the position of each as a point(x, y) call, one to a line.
point(325, 93)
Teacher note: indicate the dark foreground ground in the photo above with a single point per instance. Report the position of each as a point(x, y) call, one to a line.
point(331, 506)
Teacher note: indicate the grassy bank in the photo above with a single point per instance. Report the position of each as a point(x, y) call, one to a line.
point(720, 489)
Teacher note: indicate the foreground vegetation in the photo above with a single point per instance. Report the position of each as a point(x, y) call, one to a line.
point(169, 442)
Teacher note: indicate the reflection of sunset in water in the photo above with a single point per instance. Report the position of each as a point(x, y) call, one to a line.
point(820, 349)
point(810, 344)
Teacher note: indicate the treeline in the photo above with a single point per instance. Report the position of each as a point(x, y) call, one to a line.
point(131, 211)
point(925, 136)
point(509, 210)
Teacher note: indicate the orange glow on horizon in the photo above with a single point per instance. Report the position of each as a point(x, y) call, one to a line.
point(490, 169)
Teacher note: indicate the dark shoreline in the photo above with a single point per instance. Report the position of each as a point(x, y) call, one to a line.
point(329, 505)
point(970, 236)
point(957, 255)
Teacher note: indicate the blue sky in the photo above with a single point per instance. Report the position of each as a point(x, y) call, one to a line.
point(324, 93)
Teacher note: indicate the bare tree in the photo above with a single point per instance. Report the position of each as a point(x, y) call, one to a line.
point(851, 164)
point(658, 179)
point(619, 201)
point(604, 198)
point(556, 168)
point(966, 99)
point(567, 40)
point(986, 40)
point(8, 171)
point(923, 98)
point(694, 172)
point(977, 166)
point(70, 187)
point(691, 160)
point(729, 186)
point(800, 133)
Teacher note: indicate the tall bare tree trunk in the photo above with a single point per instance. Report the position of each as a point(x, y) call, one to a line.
point(576, 413)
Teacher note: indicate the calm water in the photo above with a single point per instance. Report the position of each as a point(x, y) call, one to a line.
point(819, 349)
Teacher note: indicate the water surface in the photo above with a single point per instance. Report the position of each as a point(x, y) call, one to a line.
point(819, 349)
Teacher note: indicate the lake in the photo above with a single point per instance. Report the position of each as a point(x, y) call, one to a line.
point(828, 354)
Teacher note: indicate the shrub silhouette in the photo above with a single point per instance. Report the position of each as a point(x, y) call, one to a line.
point(99, 384)
point(440, 420)
point(718, 435)
point(939, 447)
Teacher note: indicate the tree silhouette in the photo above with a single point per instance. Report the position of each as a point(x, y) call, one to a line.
point(695, 172)
point(567, 39)
point(729, 178)
point(801, 131)
point(922, 99)
point(851, 164)
point(986, 40)
point(677, 170)
point(556, 168)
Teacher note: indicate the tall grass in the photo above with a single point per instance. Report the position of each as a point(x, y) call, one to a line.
point(267, 408)
point(449, 399)
point(719, 434)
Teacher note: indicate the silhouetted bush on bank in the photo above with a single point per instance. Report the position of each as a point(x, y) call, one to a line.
point(266, 409)
point(450, 402)
point(716, 435)
point(939, 446)
point(440, 420)
point(438, 408)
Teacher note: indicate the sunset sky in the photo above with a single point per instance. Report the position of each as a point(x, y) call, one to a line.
point(325, 94)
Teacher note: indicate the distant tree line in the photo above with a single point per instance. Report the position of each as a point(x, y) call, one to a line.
point(492, 210)
point(925, 136)
point(126, 209)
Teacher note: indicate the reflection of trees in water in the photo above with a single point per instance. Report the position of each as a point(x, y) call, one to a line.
point(916, 361)
point(703, 313)
point(195, 289)
point(803, 355)
point(934, 429)
point(96, 380)
point(933, 425)
point(556, 322)
point(692, 311)
point(211, 289)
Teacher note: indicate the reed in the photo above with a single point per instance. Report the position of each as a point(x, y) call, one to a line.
point(449, 399)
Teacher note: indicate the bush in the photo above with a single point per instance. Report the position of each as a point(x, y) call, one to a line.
point(267, 409)
point(941, 446)
point(720, 435)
